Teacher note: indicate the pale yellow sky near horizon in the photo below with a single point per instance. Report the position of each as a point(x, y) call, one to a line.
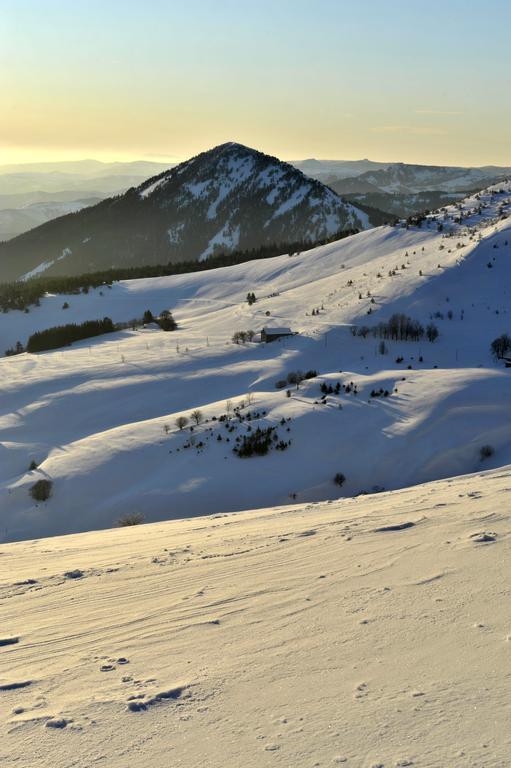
point(417, 81)
point(397, 147)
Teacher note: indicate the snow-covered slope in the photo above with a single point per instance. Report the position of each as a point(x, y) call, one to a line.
point(100, 418)
point(230, 198)
point(362, 633)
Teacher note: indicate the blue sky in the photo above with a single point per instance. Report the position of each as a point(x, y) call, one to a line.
point(414, 81)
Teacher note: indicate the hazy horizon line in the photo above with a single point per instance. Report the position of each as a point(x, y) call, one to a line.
point(173, 160)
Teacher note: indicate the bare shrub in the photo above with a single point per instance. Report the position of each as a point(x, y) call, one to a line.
point(41, 490)
point(130, 518)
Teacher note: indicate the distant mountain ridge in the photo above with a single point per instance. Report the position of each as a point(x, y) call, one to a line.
point(15, 221)
point(95, 168)
point(229, 198)
point(401, 189)
point(341, 169)
point(401, 178)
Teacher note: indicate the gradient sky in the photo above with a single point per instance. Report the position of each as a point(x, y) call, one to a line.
point(411, 80)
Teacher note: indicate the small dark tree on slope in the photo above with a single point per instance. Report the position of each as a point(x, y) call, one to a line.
point(432, 332)
point(197, 416)
point(501, 346)
point(41, 491)
point(166, 321)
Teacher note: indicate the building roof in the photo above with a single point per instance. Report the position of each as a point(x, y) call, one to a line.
point(277, 331)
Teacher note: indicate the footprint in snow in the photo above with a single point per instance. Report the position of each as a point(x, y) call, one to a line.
point(75, 574)
point(361, 691)
point(57, 722)
point(14, 686)
point(396, 527)
point(171, 694)
point(9, 641)
point(484, 537)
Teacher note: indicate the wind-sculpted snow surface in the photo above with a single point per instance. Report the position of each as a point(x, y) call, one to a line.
point(98, 421)
point(365, 632)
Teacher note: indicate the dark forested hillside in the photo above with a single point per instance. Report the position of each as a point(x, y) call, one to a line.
point(230, 198)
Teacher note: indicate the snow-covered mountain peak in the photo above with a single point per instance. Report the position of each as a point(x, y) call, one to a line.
point(232, 165)
point(232, 183)
point(229, 198)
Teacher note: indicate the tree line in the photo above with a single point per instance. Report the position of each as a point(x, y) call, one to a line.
point(63, 335)
point(23, 294)
point(399, 327)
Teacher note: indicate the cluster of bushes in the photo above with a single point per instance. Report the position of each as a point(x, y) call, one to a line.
point(259, 442)
point(417, 220)
point(295, 377)
point(129, 519)
point(240, 337)
point(251, 298)
point(63, 335)
point(164, 319)
point(16, 350)
point(256, 441)
point(327, 389)
point(380, 392)
point(399, 327)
